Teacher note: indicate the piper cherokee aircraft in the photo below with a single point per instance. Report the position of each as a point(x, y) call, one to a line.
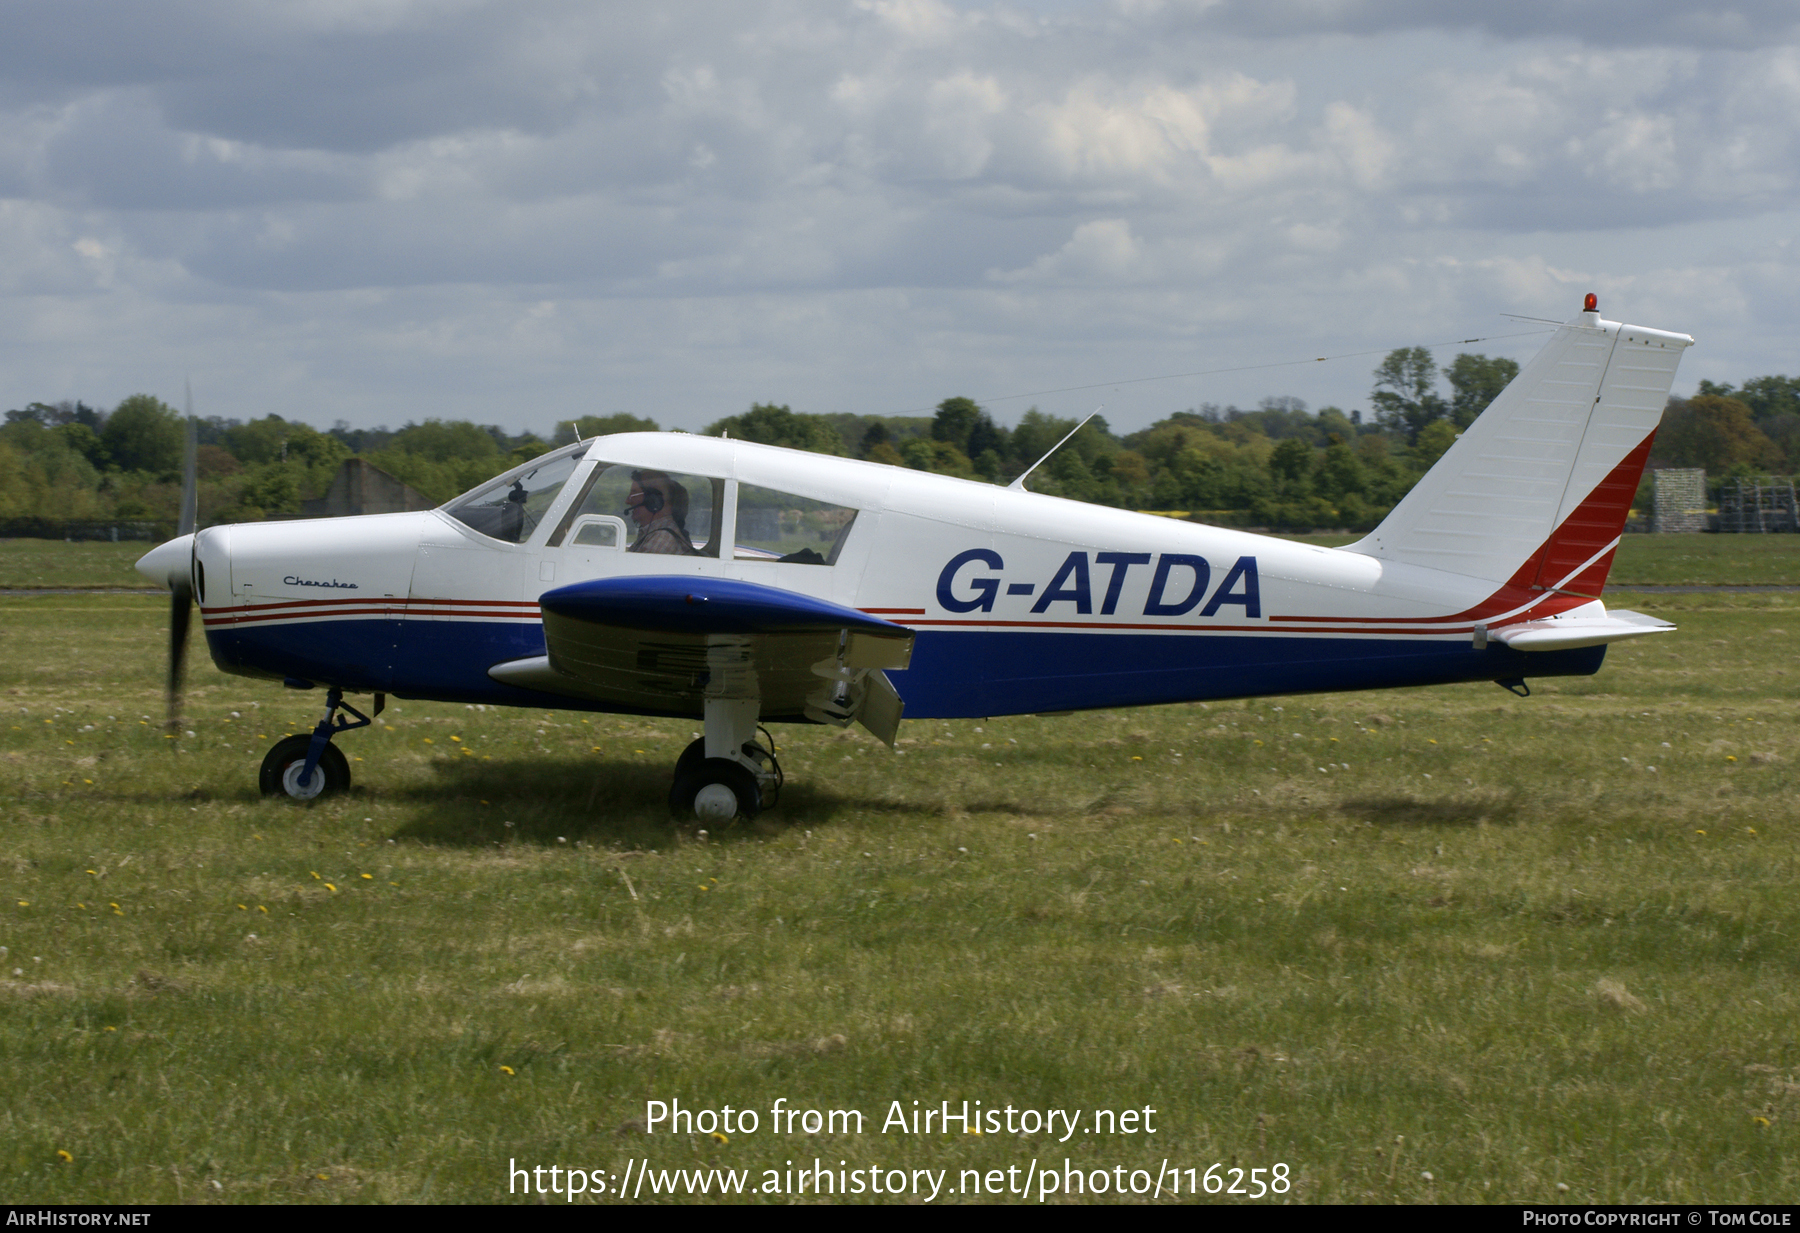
point(674, 575)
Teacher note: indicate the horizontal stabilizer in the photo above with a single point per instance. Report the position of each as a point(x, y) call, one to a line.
point(1569, 632)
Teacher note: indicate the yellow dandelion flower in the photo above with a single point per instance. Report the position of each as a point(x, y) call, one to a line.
point(1259, 742)
point(64, 1156)
point(1699, 832)
point(111, 1029)
point(263, 910)
point(242, 908)
point(457, 739)
point(719, 1138)
point(508, 1070)
point(24, 903)
point(428, 741)
point(704, 886)
point(1429, 741)
point(368, 877)
point(1730, 758)
point(1136, 758)
point(96, 874)
point(315, 874)
point(331, 888)
point(114, 906)
point(1760, 1121)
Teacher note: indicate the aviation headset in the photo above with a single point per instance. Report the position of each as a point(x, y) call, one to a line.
point(652, 499)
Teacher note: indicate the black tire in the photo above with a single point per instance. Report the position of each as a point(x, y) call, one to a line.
point(691, 781)
point(288, 755)
point(690, 759)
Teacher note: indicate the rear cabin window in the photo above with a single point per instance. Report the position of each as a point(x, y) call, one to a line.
point(779, 526)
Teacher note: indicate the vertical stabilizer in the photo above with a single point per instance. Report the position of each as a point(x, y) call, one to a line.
point(1537, 489)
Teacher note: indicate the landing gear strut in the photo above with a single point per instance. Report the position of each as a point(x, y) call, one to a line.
point(303, 768)
point(726, 773)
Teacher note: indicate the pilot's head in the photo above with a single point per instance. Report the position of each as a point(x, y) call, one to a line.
point(653, 493)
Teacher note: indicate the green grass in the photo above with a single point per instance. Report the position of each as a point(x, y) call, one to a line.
point(49, 564)
point(1494, 943)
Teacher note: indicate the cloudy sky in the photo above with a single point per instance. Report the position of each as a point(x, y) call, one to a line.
point(516, 211)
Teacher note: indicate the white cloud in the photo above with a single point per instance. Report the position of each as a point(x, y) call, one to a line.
point(380, 199)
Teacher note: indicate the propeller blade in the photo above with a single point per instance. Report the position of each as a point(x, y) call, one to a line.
point(181, 590)
point(181, 606)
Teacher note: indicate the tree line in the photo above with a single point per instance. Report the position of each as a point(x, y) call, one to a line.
point(1279, 464)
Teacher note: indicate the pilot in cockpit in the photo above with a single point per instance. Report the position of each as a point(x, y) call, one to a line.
point(658, 506)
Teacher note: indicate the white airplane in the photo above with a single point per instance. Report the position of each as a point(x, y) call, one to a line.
point(675, 575)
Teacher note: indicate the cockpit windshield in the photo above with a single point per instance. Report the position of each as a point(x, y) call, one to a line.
point(510, 508)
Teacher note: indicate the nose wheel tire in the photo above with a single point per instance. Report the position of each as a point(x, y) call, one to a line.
point(281, 771)
point(714, 790)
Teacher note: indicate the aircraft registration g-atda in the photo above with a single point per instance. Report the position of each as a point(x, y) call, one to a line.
point(674, 575)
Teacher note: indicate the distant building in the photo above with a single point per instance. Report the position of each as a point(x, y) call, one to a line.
point(360, 488)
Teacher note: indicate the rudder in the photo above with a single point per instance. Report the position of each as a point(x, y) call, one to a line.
point(1536, 491)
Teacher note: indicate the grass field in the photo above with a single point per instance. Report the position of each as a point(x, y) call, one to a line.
point(1424, 945)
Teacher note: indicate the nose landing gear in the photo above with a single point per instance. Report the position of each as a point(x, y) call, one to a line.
point(303, 768)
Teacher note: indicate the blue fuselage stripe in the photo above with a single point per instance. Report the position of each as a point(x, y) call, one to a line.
point(954, 674)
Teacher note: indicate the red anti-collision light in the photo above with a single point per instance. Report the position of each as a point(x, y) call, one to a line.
point(1591, 304)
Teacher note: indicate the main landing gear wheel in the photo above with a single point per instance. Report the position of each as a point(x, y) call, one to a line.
point(714, 790)
point(281, 771)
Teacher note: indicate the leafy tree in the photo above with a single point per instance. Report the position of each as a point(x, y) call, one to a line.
point(768, 424)
point(1339, 475)
point(144, 434)
point(876, 434)
point(1477, 380)
point(940, 457)
point(448, 441)
point(1405, 394)
point(1715, 432)
point(1433, 440)
point(1291, 462)
point(955, 419)
point(1771, 397)
point(86, 442)
point(567, 431)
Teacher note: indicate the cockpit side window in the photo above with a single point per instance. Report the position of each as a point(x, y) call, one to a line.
point(779, 526)
point(671, 513)
point(510, 508)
